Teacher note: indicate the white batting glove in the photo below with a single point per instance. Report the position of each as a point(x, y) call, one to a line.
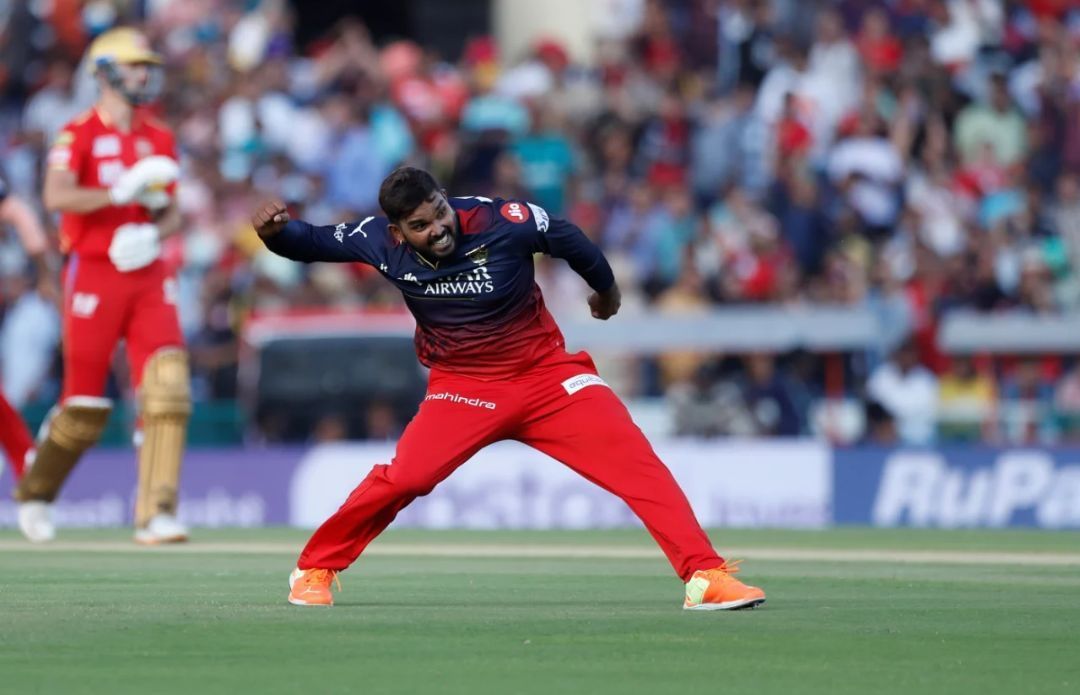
point(154, 200)
point(147, 177)
point(134, 246)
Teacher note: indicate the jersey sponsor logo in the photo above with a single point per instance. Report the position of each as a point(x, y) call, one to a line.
point(339, 232)
point(84, 304)
point(409, 277)
point(476, 281)
point(105, 146)
point(143, 148)
point(479, 255)
point(360, 227)
point(542, 219)
point(109, 171)
point(515, 212)
point(576, 383)
point(458, 398)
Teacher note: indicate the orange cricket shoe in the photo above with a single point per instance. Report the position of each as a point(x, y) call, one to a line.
point(312, 587)
point(718, 590)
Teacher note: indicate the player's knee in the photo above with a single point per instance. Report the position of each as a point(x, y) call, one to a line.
point(413, 487)
point(165, 391)
point(409, 484)
point(78, 423)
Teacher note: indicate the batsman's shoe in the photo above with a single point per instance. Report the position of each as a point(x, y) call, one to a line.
point(35, 521)
point(718, 590)
point(312, 587)
point(163, 528)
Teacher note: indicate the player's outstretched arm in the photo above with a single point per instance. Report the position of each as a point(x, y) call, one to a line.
point(270, 218)
point(299, 241)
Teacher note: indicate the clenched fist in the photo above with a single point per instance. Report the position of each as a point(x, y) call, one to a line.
point(269, 218)
point(605, 304)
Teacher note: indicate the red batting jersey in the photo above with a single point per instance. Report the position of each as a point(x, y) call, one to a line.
point(98, 152)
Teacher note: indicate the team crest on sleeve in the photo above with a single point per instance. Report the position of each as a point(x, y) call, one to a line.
point(59, 156)
point(515, 212)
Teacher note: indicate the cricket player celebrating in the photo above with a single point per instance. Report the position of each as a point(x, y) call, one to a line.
point(111, 173)
point(499, 370)
point(15, 438)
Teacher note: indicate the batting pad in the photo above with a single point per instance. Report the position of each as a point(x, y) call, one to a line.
point(165, 405)
point(72, 428)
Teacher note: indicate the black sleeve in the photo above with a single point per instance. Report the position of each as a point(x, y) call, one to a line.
point(562, 239)
point(4, 190)
point(348, 242)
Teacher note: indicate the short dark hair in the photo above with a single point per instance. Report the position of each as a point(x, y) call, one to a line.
point(404, 190)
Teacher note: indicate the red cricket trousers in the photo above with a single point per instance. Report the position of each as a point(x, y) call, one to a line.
point(559, 407)
point(103, 306)
point(15, 438)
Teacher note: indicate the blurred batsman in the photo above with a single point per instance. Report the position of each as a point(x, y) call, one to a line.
point(112, 173)
point(499, 370)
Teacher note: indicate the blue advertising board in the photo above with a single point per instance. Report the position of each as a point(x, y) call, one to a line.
point(957, 487)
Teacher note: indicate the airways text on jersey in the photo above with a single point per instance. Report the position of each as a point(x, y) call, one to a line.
point(471, 282)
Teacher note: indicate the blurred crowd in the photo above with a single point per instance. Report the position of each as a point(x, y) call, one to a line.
point(912, 156)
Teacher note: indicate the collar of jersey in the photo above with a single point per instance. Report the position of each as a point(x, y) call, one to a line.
point(107, 121)
point(423, 259)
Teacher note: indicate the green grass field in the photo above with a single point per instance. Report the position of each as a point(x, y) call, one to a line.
point(849, 611)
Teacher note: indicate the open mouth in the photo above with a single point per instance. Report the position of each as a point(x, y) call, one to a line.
point(443, 242)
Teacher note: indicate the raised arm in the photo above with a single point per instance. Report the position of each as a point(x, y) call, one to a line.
point(297, 240)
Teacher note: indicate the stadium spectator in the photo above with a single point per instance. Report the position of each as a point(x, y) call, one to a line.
point(1067, 403)
point(547, 159)
point(967, 401)
point(908, 391)
point(52, 105)
point(880, 426)
point(770, 398)
point(710, 406)
point(996, 124)
point(1027, 405)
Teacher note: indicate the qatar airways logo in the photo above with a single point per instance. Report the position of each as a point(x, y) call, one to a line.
point(458, 398)
point(475, 281)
